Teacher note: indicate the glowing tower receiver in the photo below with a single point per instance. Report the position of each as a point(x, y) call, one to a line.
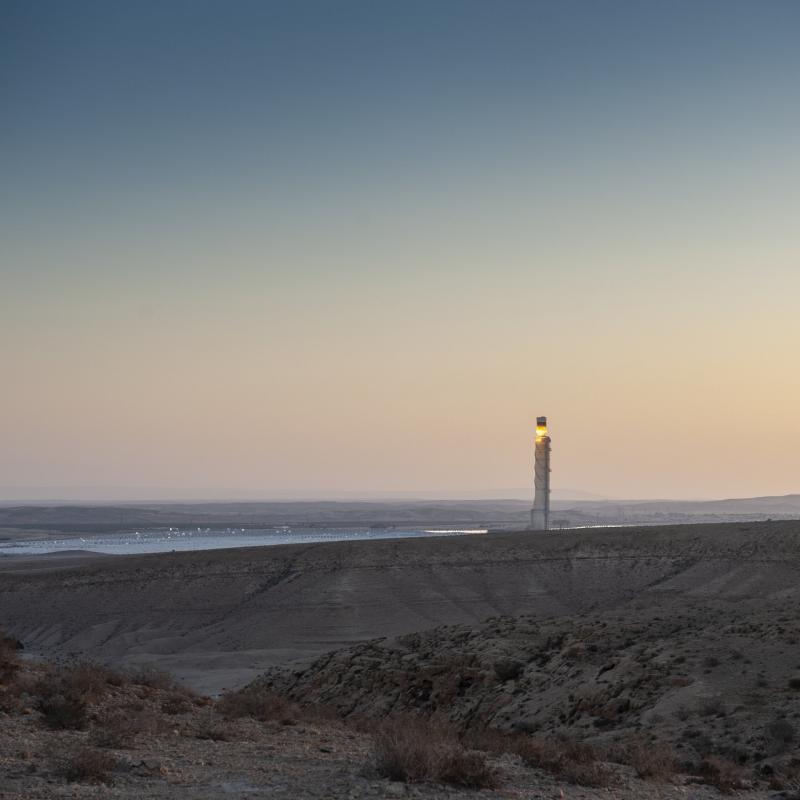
point(540, 513)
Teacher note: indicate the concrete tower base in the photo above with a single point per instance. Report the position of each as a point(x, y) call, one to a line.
point(539, 521)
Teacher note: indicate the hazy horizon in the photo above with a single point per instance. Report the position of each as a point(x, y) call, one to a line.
point(144, 495)
point(358, 247)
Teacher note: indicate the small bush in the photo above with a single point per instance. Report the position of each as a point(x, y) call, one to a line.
point(65, 693)
point(712, 707)
point(211, 728)
point(10, 700)
point(177, 703)
point(399, 756)
point(778, 735)
point(459, 767)
point(652, 760)
point(64, 712)
point(575, 762)
point(410, 750)
point(9, 661)
point(508, 669)
point(152, 678)
point(90, 681)
point(721, 773)
point(787, 777)
point(119, 728)
point(794, 684)
point(83, 681)
point(259, 704)
point(91, 766)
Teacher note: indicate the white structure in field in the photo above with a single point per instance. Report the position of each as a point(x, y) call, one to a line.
point(540, 513)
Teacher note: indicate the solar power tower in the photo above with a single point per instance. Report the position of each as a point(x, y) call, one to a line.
point(540, 513)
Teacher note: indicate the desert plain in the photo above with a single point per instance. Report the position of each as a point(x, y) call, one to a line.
point(618, 662)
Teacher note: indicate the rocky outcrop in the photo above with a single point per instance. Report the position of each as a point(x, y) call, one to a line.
point(699, 677)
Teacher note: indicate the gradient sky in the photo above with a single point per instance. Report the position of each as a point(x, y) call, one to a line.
point(313, 247)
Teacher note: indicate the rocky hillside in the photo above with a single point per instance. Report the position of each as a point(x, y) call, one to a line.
point(703, 679)
point(83, 731)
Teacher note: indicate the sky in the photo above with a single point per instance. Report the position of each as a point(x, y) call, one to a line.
point(307, 248)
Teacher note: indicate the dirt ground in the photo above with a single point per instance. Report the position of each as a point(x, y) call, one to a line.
point(202, 754)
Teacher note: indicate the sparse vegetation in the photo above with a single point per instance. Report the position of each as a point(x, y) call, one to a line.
point(177, 703)
point(652, 760)
point(9, 660)
point(410, 750)
point(153, 679)
point(260, 704)
point(712, 707)
point(119, 728)
point(64, 711)
point(91, 766)
point(778, 736)
point(508, 669)
point(210, 727)
point(64, 694)
point(721, 773)
point(575, 762)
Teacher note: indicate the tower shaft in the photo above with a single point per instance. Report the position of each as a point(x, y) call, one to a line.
point(540, 513)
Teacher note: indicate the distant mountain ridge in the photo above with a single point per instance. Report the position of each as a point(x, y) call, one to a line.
point(500, 513)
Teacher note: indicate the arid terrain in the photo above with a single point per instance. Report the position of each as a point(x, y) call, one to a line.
point(679, 643)
point(44, 520)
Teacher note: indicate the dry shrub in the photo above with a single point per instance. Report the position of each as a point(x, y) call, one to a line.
point(459, 767)
point(11, 701)
point(575, 762)
point(65, 693)
point(409, 749)
point(84, 679)
point(778, 736)
point(14, 683)
point(508, 669)
point(211, 728)
point(153, 679)
point(90, 681)
point(787, 777)
point(260, 704)
point(119, 728)
point(64, 712)
point(712, 707)
point(91, 766)
point(721, 773)
point(654, 761)
point(9, 661)
point(177, 703)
